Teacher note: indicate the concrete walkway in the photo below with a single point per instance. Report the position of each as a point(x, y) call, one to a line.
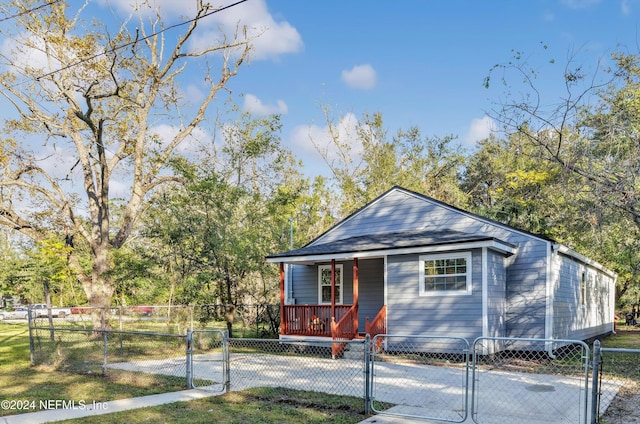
point(88, 410)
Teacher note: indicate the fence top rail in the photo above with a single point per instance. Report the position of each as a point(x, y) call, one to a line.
point(85, 330)
point(421, 337)
point(619, 350)
point(533, 339)
point(300, 340)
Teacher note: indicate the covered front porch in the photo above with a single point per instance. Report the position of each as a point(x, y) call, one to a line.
point(336, 320)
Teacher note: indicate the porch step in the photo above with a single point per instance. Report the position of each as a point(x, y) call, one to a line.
point(353, 351)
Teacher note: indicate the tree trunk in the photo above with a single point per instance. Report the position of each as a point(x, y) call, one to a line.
point(100, 289)
point(230, 316)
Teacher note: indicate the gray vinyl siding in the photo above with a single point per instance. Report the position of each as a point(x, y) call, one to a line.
point(444, 315)
point(370, 281)
point(305, 283)
point(371, 289)
point(526, 274)
point(496, 295)
point(574, 318)
point(526, 290)
point(519, 287)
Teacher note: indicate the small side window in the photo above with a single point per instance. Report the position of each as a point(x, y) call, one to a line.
point(445, 274)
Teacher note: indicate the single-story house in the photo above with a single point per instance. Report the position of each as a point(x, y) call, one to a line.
point(409, 264)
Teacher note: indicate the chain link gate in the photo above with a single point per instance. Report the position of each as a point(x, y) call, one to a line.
point(420, 376)
point(207, 359)
point(529, 381)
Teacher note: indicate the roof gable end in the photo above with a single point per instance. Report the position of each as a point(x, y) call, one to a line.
point(400, 209)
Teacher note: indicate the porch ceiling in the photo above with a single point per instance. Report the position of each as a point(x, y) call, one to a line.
point(393, 243)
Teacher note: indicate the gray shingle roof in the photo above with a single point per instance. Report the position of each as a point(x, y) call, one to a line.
point(385, 241)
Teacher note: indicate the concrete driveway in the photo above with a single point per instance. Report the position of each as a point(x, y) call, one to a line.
point(424, 392)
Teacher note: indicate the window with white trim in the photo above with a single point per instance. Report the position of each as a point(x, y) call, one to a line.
point(324, 283)
point(444, 274)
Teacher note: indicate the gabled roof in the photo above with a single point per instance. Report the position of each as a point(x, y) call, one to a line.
point(438, 202)
point(380, 244)
point(401, 242)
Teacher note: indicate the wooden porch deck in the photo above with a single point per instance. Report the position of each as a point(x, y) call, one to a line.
point(317, 321)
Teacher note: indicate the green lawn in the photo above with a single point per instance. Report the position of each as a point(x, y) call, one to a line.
point(253, 406)
point(626, 337)
point(20, 381)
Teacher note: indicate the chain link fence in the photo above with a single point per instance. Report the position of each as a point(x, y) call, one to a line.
point(133, 358)
point(616, 381)
point(530, 381)
point(207, 360)
point(439, 378)
point(420, 376)
point(257, 320)
point(299, 365)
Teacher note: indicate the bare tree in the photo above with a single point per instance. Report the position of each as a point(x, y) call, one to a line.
point(86, 102)
point(591, 130)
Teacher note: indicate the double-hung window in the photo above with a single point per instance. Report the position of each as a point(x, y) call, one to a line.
point(324, 283)
point(444, 274)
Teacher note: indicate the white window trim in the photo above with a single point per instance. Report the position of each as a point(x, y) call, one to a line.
point(338, 284)
point(467, 291)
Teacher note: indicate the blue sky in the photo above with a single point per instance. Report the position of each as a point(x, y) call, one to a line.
point(419, 62)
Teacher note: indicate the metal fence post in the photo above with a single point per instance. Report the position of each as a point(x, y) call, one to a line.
point(105, 352)
point(121, 329)
point(226, 360)
point(189, 359)
point(31, 343)
point(367, 374)
point(595, 385)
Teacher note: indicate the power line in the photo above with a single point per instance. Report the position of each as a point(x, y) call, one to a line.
point(131, 43)
point(24, 12)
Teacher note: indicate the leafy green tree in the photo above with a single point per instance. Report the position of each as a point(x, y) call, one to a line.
point(591, 135)
point(27, 266)
point(90, 106)
point(505, 182)
point(15, 276)
point(370, 162)
point(137, 277)
point(212, 234)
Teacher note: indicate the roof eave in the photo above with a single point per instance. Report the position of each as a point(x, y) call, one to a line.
point(497, 245)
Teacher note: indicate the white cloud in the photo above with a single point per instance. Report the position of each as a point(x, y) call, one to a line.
point(274, 38)
point(191, 145)
point(360, 76)
point(119, 189)
point(58, 161)
point(194, 94)
point(479, 129)
point(255, 106)
point(308, 139)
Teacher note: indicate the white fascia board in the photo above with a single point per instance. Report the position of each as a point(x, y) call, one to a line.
point(310, 259)
point(572, 253)
point(549, 291)
point(485, 294)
